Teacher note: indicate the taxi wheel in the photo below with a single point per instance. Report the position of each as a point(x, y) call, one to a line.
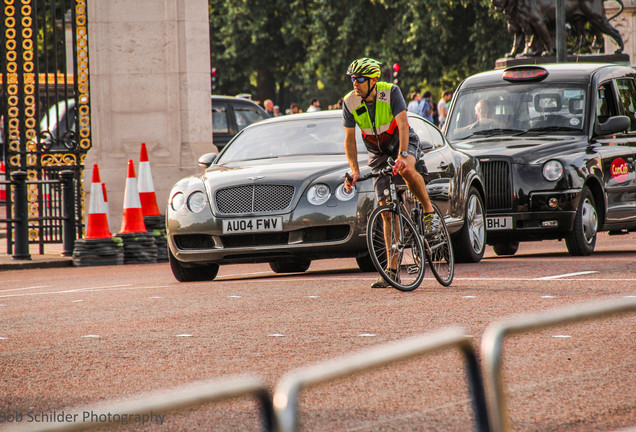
point(192, 274)
point(298, 266)
point(505, 248)
point(582, 239)
point(469, 246)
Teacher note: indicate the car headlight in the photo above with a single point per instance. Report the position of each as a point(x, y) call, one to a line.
point(552, 170)
point(196, 201)
point(318, 194)
point(343, 195)
point(177, 201)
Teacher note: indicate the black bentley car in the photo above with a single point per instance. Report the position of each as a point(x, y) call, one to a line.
point(557, 145)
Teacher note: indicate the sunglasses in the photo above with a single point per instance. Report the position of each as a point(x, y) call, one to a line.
point(360, 80)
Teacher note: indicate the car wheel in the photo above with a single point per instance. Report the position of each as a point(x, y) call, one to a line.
point(582, 239)
point(469, 246)
point(506, 248)
point(365, 263)
point(182, 273)
point(297, 266)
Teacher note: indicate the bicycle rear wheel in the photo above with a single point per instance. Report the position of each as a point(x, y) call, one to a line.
point(401, 263)
point(439, 251)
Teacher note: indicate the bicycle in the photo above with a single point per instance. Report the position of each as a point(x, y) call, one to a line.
point(398, 252)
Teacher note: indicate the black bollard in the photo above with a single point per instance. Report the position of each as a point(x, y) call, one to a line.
point(68, 203)
point(20, 217)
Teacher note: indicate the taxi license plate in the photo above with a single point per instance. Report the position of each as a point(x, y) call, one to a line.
point(247, 225)
point(499, 223)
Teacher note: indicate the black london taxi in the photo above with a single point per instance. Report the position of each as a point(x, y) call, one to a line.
point(557, 146)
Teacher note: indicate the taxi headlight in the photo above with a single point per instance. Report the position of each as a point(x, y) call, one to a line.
point(318, 194)
point(552, 170)
point(177, 201)
point(196, 201)
point(343, 195)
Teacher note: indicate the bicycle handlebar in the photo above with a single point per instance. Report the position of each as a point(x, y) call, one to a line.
point(387, 170)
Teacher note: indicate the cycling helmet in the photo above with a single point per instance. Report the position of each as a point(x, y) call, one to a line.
point(366, 67)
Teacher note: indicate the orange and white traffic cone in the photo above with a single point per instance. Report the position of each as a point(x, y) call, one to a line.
point(146, 187)
point(106, 202)
point(133, 220)
point(3, 187)
point(97, 223)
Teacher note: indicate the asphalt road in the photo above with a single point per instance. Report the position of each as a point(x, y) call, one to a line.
point(76, 336)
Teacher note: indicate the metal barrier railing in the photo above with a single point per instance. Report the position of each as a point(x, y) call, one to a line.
point(287, 391)
point(188, 396)
point(492, 345)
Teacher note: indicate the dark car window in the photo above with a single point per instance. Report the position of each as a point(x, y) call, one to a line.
point(627, 100)
point(605, 105)
point(438, 140)
point(245, 116)
point(219, 119)
point(531, 107)
point(289, 138)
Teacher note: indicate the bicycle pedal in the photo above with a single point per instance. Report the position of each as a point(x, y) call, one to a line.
point(412, 270)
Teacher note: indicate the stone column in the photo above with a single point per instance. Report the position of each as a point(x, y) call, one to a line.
point(150, 82)
point(625, 23)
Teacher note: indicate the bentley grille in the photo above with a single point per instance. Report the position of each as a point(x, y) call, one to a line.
point(498, 185)
point(254, 199)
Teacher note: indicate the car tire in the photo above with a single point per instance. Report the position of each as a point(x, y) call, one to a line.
point(469, 246)
point(296, 266)
point(365, 263)
point(197, 273)
point(582, 239)
point(506, 248)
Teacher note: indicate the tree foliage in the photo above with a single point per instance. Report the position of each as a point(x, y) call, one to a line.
point(293, 50)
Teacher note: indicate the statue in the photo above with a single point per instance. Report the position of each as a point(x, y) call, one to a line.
point(532, 23)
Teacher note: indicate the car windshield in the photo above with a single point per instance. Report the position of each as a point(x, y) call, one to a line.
point(536, 108)
point(289, 138)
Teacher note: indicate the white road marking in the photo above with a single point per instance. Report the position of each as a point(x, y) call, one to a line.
point(313, 296)
point(547, 296)
point(25, 288)
point(234, 296)
point(88, 289)
point(367, 335)
point(469, 296)
point(94, 336)
point(3, 338)
point(567, 275)
point(184, 335)
point(562, 336)
point(77, 301)
point(276, 335)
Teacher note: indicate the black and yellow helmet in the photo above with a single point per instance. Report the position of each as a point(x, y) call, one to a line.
point(366, 67)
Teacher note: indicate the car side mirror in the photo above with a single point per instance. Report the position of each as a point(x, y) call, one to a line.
point(612, 125)
point(207, 159)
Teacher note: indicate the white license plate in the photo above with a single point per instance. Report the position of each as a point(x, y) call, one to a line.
point(499, 223)
point(259, 224)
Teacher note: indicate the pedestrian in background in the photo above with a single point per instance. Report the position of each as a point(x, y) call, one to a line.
point(294, 108)
point(315, 105)
point(414, 103)
point(425, 107)
point(276, 111)
point(269, 107)
point(442, 106)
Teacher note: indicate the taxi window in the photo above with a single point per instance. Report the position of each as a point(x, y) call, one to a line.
point(219, 119)
point(605, 105)
point(627, 100)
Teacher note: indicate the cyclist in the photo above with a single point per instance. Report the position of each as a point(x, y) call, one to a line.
point(379, 109)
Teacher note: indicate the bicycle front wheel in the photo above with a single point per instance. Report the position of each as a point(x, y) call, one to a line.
point(396, 249)
point(439, 251)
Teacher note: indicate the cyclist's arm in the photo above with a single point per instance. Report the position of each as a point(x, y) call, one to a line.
point(351, 150)
point(403, 128)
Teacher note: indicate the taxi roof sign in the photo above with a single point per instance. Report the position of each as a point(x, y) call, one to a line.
point(525, 73)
